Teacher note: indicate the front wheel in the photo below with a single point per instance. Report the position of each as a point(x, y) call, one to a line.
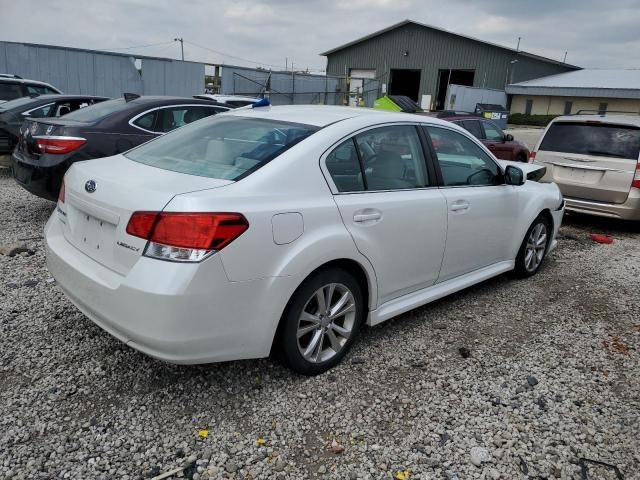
point(321, 321)
point(533, 248)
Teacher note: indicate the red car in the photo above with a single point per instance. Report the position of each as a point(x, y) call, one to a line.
point(501, 144)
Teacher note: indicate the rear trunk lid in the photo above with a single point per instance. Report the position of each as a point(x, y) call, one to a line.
point(51, 127)
point(101, 195)
point(591, 160)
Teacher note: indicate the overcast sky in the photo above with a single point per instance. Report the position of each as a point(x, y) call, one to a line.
point(596, 33)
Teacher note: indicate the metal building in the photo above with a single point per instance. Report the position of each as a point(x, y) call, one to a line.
point(93, 72)
point(421, 61)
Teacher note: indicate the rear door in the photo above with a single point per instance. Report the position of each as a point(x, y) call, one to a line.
point(591, 160)
point(391, 207)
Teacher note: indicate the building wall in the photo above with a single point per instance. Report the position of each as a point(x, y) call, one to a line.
point(86, 72)
point(547, 105)
point(431, 50)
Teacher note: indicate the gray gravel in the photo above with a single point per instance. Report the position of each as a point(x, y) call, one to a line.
point(551, 376)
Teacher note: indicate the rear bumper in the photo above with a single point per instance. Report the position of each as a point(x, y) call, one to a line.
point(180, 313)
point(629, 210)
point(42, 181)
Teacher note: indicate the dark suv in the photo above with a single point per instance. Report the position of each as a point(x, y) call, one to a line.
point(501, 144)
point(14, 86)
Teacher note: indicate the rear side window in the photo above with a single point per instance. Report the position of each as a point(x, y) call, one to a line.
point(225, 147)
point(10, 91)
point(146, 121)
point(344, 167)
point(592, 139)
point(41, 112)
point(100, 110)
point(40, 90)
point(176, 117)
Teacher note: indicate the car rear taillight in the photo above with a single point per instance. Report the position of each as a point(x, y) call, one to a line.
point(61, 193)
point(636, 176)
point(186, 237)
point(532, 156)
point(58, 145)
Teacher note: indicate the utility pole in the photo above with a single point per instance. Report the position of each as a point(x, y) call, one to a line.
point(564, 60)
point(518, 47)
point(181, 45)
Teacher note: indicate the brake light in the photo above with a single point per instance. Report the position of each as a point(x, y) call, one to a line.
point(532, 156)
point(636, 176)
point(58, 145)
point(186, 237)
point(61, 192)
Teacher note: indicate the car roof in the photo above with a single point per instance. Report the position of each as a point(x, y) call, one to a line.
point(463, 117)
point(631, 120)
point(25, 81)
point(162, 99)
point(323, 115)
point(226, 98)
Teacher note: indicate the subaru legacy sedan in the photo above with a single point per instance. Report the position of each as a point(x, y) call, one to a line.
point(282, 230)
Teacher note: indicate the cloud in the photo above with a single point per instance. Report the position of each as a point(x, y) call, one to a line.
point(595, 33)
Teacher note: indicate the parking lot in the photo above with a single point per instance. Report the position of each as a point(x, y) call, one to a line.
point(538, 373)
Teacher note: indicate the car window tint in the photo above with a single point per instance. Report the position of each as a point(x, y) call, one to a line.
point(147, 120)
point(172, 118)
point(461, 161)
point(224, 147)
point(392, 158)
point(42, 112)
point(492, 132)
point(39, 89)
point(473, 127)
point(98, 111)
point(9, 91)
point(593, 139)
point(344, 167)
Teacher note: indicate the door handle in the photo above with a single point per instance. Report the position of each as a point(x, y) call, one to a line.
point(366, 217)
point(460, 206)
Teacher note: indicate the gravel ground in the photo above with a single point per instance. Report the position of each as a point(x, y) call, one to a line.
point(551, 376)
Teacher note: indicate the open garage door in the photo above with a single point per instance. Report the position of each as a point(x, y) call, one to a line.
point(451, 77)
point(405, 82)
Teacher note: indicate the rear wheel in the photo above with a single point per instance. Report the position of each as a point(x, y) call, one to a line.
point(321, 321)
point(533, 248)
point(521, 157)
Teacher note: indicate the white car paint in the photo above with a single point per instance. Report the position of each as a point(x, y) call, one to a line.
point(228, 306)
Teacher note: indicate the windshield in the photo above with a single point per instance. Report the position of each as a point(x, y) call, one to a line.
point(98, 111)
point(223, 147)
point(593, 139)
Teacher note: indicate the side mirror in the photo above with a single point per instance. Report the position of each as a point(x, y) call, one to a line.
point(513, 176)
point(508, 137)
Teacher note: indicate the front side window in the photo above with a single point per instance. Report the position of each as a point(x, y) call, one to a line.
point(224, 147)
point(473, 127)
point(462, 162)
point(492, 132)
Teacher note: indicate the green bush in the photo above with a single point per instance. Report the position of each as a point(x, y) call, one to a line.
point(537, 120)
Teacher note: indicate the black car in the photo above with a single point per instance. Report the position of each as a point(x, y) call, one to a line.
point(48, 146)
point(14, 112)
point(14, 86)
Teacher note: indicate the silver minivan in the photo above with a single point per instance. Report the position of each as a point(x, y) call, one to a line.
point(595, 160)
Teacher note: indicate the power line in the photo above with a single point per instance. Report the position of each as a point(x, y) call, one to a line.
point(136, 46)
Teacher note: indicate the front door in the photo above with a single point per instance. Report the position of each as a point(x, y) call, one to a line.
point(481, 210)
point(391, 207)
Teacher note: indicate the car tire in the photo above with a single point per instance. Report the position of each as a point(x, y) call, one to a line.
point(312, 338)
point(533, 249)
point(522, 157)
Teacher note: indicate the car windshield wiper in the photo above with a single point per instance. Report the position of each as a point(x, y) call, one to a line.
point(603, 153)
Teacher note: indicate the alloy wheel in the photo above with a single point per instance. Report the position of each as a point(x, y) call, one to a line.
point(536, 247)
point(326, 322)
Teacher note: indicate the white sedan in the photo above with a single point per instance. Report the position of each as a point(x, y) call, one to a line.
point(283, 229)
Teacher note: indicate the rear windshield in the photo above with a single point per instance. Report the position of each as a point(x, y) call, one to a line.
point(224, 147)
point(18, 102)
point(97, 111)
point(593, 139)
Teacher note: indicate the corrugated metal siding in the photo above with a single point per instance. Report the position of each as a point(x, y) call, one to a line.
point(432, 50)
point(92, 73)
